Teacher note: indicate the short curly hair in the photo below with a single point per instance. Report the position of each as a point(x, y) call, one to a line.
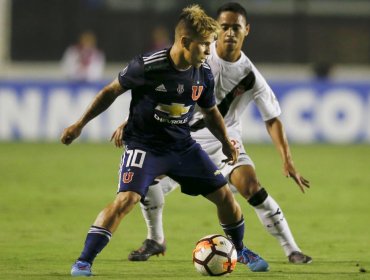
point(194, 20)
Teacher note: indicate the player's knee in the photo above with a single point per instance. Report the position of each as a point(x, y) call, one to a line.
point(253, 187)
point(222, 196)
point(245, 180)
point(125, 201)
point(248, 187)
point(228, 199)
point(226, 204)
point(232, 206)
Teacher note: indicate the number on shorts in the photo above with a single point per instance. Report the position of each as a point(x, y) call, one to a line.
point(135, 158)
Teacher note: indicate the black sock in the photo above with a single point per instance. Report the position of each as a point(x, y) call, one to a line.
point(235, 232)
point(97, 238)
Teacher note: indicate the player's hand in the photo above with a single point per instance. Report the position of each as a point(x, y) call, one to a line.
point(71, 133)
point(118, 135)
point(231, 152)
point(289, 171)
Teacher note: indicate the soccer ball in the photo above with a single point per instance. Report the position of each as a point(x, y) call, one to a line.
point(214, 255)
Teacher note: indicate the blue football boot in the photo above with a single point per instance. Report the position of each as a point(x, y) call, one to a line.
point(252, 260)
point(81, 268)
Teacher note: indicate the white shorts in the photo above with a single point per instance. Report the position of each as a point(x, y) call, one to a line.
point(213, 148)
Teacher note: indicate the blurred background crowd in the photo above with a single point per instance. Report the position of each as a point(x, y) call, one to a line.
point(312, 42)
point(322, 35)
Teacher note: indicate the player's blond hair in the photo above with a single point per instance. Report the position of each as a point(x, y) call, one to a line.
point(195, 22)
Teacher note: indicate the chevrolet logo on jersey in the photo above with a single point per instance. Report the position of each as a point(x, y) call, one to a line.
point(175, 110)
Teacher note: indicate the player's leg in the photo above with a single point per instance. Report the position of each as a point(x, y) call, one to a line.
point(204, 178)
point(232, 222)
point(137, 170)
point(229, 213)
point(152, 207)
point(101, 231)
point(152, 210)
point(242, 175)
point(270, 214)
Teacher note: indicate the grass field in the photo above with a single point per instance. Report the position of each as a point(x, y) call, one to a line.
point(50, 194)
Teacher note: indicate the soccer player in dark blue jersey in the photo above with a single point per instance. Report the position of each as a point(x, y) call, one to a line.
point(165, 87)
point(237, 84)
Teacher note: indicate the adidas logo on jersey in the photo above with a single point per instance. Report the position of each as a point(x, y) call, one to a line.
point(161, 88)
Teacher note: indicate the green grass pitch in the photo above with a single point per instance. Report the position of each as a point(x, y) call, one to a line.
point(50, 194)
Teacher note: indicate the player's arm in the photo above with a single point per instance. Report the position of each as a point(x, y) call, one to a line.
point(100, 103)
point(276, 131)
point(117, 136)
point(215, 124)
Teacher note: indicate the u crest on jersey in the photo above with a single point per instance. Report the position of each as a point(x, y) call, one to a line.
point(127, 177)
point(196, 92)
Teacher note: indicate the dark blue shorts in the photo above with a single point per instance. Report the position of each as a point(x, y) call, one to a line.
point(191, 168)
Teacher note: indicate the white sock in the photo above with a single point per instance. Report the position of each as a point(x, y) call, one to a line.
point(152, 212)
point(272, 217)
point(153, 208)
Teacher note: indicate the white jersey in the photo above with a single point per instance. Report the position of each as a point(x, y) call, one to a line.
point(227, 76)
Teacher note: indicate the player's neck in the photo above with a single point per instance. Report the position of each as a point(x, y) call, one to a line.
point(178, 59)
point(228, 55)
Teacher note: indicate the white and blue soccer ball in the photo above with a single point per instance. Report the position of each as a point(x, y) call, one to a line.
point(214, 255)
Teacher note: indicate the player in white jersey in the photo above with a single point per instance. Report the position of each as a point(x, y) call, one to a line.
point(237, 83)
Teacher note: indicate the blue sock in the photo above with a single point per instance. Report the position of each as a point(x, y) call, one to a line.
point(97, 238)
point(235, 232)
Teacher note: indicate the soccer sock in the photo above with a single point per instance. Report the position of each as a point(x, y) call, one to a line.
point(272, 217)
point(152, 209)
point(235, 232)
point(97, 238)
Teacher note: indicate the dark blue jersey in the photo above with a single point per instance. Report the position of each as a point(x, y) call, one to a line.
point(163, 100)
